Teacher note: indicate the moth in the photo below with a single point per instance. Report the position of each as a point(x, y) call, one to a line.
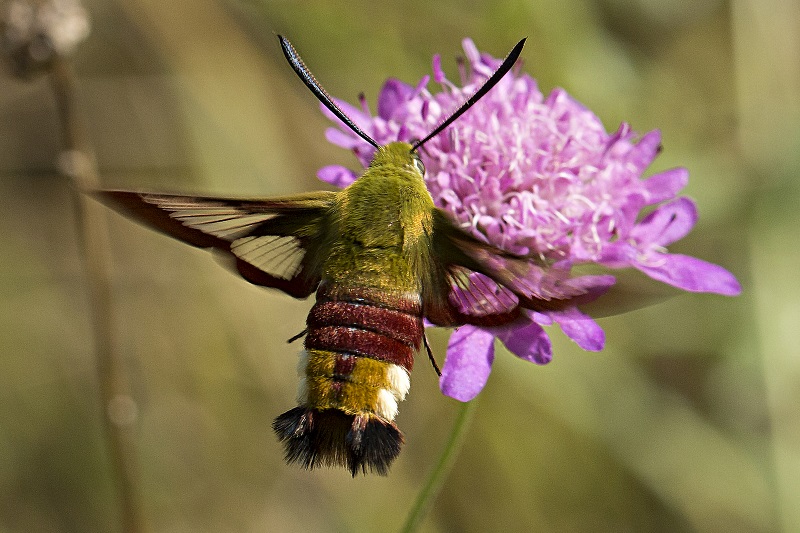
point(380, 258)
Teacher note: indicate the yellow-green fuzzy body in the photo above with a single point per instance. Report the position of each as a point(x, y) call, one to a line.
point(382, 225)
point(371, 388)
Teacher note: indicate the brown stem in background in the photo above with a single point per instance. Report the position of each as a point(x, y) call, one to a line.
point(119, 408)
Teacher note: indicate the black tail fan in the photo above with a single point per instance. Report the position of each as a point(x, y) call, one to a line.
point(331, 437)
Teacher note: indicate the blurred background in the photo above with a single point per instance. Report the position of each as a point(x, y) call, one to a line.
point(688, 421)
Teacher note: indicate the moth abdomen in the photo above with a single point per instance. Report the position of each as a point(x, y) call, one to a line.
point(354, 372)
point(397, 325)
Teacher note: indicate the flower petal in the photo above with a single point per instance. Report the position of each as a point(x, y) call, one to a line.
point(394, 94)
point(667, 224)
point(581, 328)
point(690, 274)
point(617, 255)
point(528, 341)
point(343, 139)
point(643, 152)
point(470, 353)
point(471, 51)
point(337, 175)
point(438, 73)
point(665, 185)
point(543, 319)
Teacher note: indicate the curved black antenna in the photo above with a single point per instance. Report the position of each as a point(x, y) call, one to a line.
point(322, 95)
point(498, 74)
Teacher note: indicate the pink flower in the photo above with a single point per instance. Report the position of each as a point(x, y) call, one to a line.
point(539, 175)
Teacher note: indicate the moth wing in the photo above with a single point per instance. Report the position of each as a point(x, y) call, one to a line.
point(274, 242)
point(472, 282)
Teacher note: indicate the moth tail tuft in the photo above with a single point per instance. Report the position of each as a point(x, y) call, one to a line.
point(360, 443)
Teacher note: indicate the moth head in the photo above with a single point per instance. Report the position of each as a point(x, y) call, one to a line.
point(399, 155)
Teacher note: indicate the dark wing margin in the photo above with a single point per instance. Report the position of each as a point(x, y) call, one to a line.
point(472, 282)
point(273, 242)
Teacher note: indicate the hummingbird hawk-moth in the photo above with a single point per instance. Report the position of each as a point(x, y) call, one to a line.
point(381, 258)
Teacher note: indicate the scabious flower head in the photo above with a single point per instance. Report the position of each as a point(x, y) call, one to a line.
point(34, 32)
point(535, 175)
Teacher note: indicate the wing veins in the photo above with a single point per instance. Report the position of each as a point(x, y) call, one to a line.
point(278, 250)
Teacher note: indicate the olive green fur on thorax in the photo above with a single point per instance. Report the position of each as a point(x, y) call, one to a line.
point(382, 225)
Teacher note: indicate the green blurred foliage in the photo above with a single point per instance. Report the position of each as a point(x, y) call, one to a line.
point(686, 422)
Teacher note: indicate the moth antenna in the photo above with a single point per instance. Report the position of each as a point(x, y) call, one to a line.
point(430, 355)
point(298, 336)
point(322, 95)
point(498, 74)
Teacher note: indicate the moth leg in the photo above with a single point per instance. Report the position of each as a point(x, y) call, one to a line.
point(430, 355)
point(298, 336)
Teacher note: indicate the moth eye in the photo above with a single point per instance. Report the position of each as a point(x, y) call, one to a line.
point(417, 162)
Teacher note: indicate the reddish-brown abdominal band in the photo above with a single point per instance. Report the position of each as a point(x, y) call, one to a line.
point(397, 325)
point(362, 343)
point(331, 292)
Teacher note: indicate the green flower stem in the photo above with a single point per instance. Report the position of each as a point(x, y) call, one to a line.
point(119, 409)
point(440, 472)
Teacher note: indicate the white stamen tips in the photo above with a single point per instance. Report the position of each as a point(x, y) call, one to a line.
point(399, 381)
point(386, 405)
